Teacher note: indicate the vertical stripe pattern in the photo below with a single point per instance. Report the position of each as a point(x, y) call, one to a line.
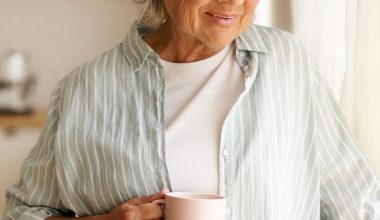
point(285, 150)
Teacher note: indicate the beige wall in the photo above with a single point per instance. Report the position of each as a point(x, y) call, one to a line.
point(61, 34)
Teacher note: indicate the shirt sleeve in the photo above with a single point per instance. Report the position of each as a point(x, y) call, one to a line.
point(36, 195)
point(349, 188)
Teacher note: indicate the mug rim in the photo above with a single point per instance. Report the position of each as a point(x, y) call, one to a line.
point(195, 196)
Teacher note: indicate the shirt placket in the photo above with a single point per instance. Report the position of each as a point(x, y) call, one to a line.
point(248, 63)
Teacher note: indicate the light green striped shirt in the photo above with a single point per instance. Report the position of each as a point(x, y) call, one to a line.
point(285, 150)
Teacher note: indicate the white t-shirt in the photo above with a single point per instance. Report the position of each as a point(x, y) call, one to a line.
point(198, 97)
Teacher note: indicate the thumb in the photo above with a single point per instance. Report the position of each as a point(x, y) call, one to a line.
point(148, 199)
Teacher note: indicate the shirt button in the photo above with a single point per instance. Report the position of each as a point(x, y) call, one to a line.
point(245, 68)
point(242, 54)
point(228, 211)
point(225, 153)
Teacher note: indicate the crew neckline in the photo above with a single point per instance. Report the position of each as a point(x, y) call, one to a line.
point(198, 66)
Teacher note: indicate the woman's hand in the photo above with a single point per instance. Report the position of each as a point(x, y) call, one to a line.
point(139, 208)
point(135, 209)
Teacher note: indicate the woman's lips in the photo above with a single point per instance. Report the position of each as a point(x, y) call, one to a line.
point(224, 16)
point(222, 19)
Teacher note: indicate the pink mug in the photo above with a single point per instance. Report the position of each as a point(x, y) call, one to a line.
point(193, 206)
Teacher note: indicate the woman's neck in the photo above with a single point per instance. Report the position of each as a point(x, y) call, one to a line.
point(178, 48)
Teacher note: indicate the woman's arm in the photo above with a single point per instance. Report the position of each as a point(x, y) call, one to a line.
point(36, 194)
point(349, 188)
point(134, 209)
point(98, 217)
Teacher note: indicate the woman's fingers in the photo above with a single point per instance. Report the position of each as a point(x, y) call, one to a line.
point(148, 199)
point(150, 211)
point(139, 208)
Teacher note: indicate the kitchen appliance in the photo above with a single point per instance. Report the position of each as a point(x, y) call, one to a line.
point(16, 83)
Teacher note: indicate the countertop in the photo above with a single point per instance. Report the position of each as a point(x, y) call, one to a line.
point(33, 120)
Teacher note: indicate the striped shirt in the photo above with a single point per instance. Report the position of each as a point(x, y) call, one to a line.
point(285, 151)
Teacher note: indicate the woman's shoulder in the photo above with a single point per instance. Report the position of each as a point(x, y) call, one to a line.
point(281, 51)
point(94, 74)
point(274, 41)
point(96, 69)
point(98, 66)
point(270, 35)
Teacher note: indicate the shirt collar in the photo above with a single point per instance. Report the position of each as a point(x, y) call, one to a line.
point(251, 40)
point(136, 50)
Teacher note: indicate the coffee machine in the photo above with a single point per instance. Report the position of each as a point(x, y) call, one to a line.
point(16, 83)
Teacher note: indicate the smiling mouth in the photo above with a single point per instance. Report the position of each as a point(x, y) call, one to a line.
point(225, 17)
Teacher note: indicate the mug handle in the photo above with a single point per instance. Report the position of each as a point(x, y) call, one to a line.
point(159, 201)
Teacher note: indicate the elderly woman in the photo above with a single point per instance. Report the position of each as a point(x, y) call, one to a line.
point(196, 98)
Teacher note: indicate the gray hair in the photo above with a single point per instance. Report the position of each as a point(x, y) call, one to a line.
point(152, 13)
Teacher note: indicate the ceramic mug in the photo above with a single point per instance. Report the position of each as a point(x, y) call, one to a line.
point(193, 206)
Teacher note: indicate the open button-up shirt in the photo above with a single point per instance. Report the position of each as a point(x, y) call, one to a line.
point(285, 151)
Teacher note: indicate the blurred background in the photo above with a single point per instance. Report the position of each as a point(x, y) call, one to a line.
point(43, 40)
